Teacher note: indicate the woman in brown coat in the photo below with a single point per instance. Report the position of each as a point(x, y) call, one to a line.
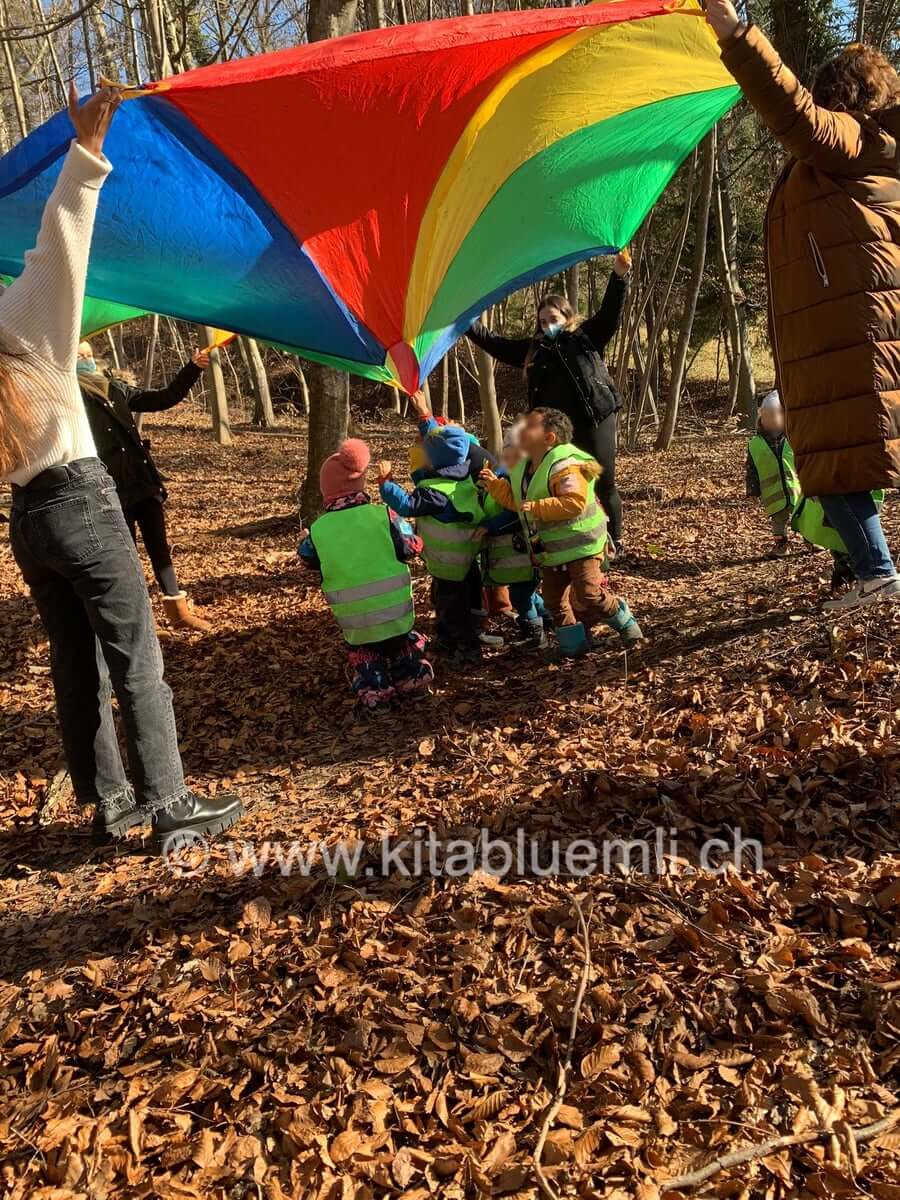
point(833, 263)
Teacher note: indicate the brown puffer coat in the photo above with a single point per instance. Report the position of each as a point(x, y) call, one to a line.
point(833, 251)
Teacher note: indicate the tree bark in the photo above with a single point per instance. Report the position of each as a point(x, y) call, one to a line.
point(444, 404)
point(572, 286)
point(329, 417)
point(263, 412)
point(698, 265)
point(460, 398)
point(18, 102)
point(329, 390)
point(219, 397)
point(742, 383)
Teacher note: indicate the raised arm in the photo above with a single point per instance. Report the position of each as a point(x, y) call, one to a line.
point(41, 310)
point(601, 327)
point(512, 351)
point(833, 142)
point(174, 393)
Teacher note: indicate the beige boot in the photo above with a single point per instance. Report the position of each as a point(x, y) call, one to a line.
point(180, 614)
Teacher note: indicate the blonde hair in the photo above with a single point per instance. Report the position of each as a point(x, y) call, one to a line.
point(13, 420)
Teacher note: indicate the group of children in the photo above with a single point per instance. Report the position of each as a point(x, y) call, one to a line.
point(772, 479)
point(534, 526)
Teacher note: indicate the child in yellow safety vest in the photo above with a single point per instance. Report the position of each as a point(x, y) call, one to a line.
point(508, 561)
point(771, 476)
point(361, 551)
point(446, 506)
point(552, 490)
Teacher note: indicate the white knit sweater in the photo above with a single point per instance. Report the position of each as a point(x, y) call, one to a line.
point(40, 319)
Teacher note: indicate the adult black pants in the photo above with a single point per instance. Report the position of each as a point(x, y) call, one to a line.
point(149, 516)
point(600, 442)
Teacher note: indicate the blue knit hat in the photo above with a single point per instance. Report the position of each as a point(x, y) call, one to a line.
point(447, 446)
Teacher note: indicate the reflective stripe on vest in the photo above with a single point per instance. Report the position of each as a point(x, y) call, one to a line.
point(777, 491)
point(507, 564)
point(369, 591)
point(451, 546)
point(583, 536)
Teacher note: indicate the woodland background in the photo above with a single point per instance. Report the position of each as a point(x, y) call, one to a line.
point(626, 1037)
point(697, 308)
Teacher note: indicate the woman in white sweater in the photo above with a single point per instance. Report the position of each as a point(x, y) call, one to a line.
point(68, 533)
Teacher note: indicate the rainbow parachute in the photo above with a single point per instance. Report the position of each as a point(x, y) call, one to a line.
point(361, 200)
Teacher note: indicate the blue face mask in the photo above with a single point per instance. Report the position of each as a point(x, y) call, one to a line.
point(86, 366)
point(553, 331)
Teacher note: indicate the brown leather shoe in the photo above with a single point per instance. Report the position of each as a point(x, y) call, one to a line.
point(180, 614)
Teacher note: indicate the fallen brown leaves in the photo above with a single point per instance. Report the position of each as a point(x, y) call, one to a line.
point(361, 1037)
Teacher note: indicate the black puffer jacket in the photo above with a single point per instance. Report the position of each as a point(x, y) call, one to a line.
point(567, 372)
point(111, 405)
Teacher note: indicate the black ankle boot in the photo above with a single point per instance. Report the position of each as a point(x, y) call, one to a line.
point(112, 820)
point(179, 824)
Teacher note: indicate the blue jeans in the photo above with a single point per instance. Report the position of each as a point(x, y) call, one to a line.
point(855, 516)
point(76, 554)
point(527, 600)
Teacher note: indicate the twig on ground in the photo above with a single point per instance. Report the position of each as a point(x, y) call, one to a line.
point(562, 1081)
point(865, 1134)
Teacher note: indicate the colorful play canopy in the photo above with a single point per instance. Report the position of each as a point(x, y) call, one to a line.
point(361, 200)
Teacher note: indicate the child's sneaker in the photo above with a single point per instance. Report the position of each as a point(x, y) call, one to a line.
point(369, 678)
point(492, 640)
point(623, 623)
point(411, 672)
point(779, 548)
point(375, 701)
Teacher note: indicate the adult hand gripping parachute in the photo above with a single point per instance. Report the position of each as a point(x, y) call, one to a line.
point(360, 201)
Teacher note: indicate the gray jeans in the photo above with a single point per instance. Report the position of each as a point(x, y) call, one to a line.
point(76, 554)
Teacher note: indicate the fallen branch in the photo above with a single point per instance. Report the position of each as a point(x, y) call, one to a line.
point(865, 1134)
point(562, 1080)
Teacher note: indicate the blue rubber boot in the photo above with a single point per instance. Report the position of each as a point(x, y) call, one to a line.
point(624, 624)
point(574, 641)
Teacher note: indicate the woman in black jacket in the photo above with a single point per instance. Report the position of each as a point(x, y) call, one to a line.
point(111, 404)
point(564, 369)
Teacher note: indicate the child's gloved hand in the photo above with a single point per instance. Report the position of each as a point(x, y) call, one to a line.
point(385, 470)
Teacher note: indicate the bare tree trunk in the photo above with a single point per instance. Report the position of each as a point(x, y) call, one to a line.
point(861, 22)
point(108, 58)
point(113, 349)
point(219, 397)
point(263, 412)
point(329, 417)
point(18, 102)
point(376, 17)
point(572, 286)
point(742, 384)
point(304, 391)
point(698, 266)
point(60, 78)
point(487, 392)
point(329, 390)
point(445, 386)
point(460, 398)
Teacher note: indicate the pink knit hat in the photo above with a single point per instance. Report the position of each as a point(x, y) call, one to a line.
point(344, 473)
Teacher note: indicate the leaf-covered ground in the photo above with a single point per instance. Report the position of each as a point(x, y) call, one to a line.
point(215, 1031)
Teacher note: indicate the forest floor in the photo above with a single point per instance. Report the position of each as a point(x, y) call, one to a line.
point(215, 1028)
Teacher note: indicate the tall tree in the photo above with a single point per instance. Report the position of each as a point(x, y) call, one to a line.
point(329, 400)
point(695, 282)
